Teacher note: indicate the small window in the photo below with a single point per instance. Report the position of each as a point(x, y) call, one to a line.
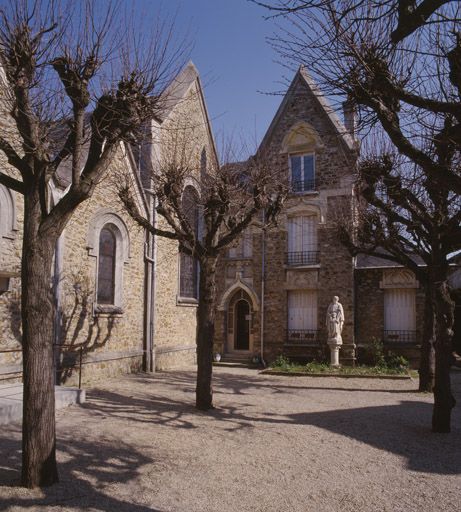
point(188, 265)
point(106, 267)
point(302, 173)
point(244, 247)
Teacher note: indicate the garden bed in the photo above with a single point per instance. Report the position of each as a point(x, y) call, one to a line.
point(284, 367)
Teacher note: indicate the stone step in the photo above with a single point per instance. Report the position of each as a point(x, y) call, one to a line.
point(11, 400)
point(231, 364)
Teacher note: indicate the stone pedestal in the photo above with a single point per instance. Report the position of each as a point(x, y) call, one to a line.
point(334, 352)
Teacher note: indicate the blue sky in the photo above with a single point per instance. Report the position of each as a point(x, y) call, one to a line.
point(234, 61)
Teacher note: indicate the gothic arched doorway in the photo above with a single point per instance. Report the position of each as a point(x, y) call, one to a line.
point(239, 323)
point(242, 325)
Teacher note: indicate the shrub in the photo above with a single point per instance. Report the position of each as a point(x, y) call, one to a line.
point(396, 362)
point(281, 363)
point(374, 353)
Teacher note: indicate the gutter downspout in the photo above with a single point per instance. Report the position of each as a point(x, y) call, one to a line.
point(57, 287)
point(263, 282)
point(149, 357)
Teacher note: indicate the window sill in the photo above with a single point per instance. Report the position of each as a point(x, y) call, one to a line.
point(187, 302)
point(301, 267)
point(304, 193)
point(108, 310)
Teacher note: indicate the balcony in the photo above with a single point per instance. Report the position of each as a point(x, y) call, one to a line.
point(303, 337)
point(300, 258)
point(303, 186)
point(400, 337)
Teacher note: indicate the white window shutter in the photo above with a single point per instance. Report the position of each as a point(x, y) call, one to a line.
point(400, 309)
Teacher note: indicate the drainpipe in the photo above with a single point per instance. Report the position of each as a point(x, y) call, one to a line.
point(57, 286)
point(263, 281)
point(149, 358)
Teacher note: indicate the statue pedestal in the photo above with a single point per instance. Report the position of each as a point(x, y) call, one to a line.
point(334, 352)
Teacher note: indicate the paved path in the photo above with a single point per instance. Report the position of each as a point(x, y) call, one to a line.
point(273, 444)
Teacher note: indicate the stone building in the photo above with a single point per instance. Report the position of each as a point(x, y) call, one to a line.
point(276, 285)
point(125, 300)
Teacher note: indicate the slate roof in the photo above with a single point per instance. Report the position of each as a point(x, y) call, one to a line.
point(364, 261)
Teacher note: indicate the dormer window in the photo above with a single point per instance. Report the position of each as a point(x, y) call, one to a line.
point(302, 173)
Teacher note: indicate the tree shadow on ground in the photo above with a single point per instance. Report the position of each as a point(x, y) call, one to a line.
point(402, 429)
point(88, 470)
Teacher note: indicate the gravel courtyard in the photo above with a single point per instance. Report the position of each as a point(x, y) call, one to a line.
point(272, 444)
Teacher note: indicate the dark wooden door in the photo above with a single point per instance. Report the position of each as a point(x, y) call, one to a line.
point(242, 320)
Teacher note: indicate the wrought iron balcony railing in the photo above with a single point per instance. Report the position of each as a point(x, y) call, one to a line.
point(303, 186)
point(298, 258)
point(400, 337)
point(303, 337)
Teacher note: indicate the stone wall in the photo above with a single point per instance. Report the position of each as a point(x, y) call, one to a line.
point(334, 164)
point(369, 313)
point(185, 139)
point(111, 337)
point(112, 342)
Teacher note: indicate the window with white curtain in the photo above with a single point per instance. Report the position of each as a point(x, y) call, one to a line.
point(302, 240)
point(302, 311)
point(302, 173)
point(399, 313)
point(244, 247)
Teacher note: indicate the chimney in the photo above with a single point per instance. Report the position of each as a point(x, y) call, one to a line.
point(350, 117)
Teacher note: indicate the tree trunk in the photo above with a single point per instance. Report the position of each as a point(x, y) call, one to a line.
point(37, 309)
point(205, 333)
point(443, 397)
point(427, 360)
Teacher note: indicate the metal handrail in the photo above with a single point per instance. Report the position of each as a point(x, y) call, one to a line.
point(399, 336)
point(303, 336)
point(298, 258)
point(303, 185)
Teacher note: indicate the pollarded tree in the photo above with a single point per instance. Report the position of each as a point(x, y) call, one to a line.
point(399, 63)
point(206, 222)
point(54, 57)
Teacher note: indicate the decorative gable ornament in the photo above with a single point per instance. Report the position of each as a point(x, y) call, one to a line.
point(301, 138)
point(398, 278)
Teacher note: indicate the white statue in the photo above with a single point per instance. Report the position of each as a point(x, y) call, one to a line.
point(335, 321)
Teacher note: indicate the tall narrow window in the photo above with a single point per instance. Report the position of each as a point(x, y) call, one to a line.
point(302, 316)
point(302, 240)
point(302, 168)
point(106, 267)
point(244, 247)
point(188, 265)
point(400, 315)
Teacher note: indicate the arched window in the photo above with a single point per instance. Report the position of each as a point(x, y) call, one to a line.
point(188, 265)
point(106, 265)
point(7, 214)
point(109, 243)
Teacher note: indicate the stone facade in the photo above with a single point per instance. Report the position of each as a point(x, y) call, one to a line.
point(102, 340)
point(184, 130)
point(110, 339)
point(305, 125)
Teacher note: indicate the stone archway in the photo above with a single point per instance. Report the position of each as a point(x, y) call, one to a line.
point(240, 313)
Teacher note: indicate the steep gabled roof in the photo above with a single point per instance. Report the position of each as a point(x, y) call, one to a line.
point(177, 91)
point(303, 76)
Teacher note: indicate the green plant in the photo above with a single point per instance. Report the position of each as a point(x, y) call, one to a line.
point(396, 362)
point(375, 353)
point(282, 363)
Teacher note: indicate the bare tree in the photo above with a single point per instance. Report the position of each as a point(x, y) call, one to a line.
point(69, 105)
point(399, 63)
point(205, 223)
